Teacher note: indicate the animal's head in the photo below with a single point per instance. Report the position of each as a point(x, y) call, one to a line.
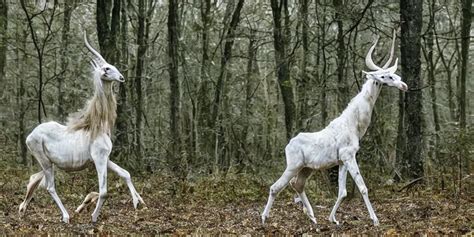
point(102, 69)
point(385, 75)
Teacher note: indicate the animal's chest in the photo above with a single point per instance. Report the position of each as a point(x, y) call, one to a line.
point(363, 119)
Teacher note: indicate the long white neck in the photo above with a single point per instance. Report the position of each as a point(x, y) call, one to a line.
point(358, 113)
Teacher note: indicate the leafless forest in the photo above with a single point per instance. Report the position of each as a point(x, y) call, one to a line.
point(213, 92)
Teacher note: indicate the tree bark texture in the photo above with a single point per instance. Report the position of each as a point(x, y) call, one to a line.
point(411, 24)
point(173, 34)
point(280, 43)
point(3, 39)
point(64, 60)
point(465, 40)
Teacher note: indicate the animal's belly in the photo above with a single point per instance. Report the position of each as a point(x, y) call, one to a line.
point(70, 159)
point(320, 161)
point(73, 165)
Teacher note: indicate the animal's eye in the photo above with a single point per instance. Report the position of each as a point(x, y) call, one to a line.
point(391, 78)
point(107, 68)
point(383, 77)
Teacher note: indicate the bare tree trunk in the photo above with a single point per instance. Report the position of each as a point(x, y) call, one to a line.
point(64, 60)
point(228, 37)
point(447, 64)
point(122, 140)
point(411, 18)
point(174, 156)
point(20, 94)
point(342, 96)
point(139, 68)
point(432, 80)
point(110, 16)
point(280, 43)
point(3, 40)
point(321, 59)
point(465, 40)
point(203, 119)
point(229, 42)
point(252, 72)
point(39, 48)
point(304, 79)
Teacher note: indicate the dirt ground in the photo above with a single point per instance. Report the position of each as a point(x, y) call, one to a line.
point(225, 206)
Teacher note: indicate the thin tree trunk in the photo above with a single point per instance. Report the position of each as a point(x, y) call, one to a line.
point(465, 40)
point(64, 60)
point(321, 59)
point(20, 93)
point(141, 50)
point(431, 78)
point(229, 42)
point(220, 147)
point(203, 117)
point(342, 96)
point(448, 68)
point(304, 80)
point(280, 44)
point(411, 18)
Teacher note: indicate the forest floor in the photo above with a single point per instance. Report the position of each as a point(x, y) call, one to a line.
point(230, 205)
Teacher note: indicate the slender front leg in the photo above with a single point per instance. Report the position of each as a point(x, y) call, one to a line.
point(100, 157)
point(136, 198)
point(355, 173)
point(342, 193)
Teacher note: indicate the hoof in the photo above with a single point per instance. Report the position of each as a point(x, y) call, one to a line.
point(376, 222)
point(333, 220)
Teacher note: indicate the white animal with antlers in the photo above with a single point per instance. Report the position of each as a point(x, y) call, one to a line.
point(85, 140)
point(338, 143)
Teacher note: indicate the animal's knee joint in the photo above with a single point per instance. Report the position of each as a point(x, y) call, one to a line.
point(343, 193)
point(103, 195)
point(51, 190)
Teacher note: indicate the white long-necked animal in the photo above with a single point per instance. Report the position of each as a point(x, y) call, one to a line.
point(338, 143)
point(84, 140)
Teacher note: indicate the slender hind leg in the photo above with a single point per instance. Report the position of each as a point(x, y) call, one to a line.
point(136, 198)
point(298, 184)
point(37, 149)
point(90, 198)
point(34, 182)
point(342, 193)
point(276, 188)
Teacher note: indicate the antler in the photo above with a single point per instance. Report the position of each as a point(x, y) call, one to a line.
point(368, 59)
point(370, 63)
point(93, 51)
point(391, 50)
